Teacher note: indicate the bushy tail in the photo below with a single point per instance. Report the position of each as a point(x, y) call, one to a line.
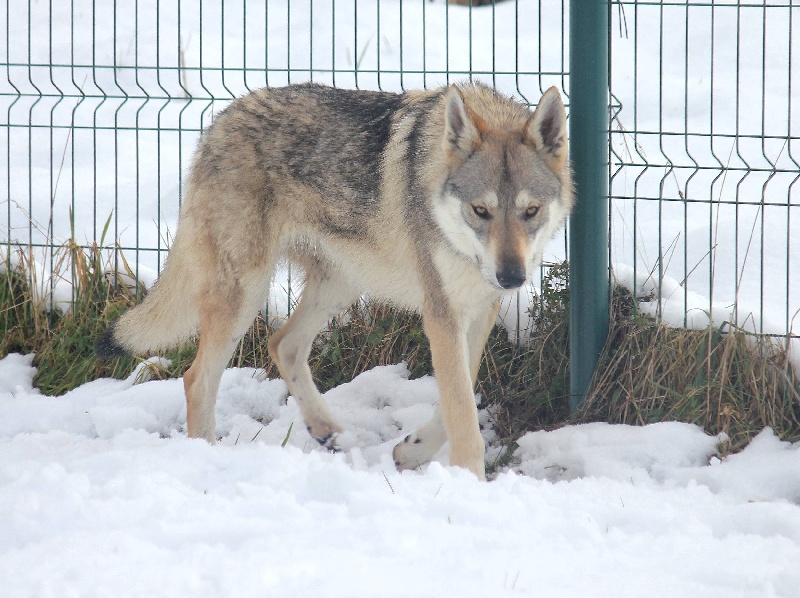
point(166, 317)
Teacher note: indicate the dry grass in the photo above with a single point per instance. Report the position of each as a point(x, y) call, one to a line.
point(63, 343)
point(722, 379)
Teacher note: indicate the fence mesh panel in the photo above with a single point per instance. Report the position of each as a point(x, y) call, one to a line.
point(705, 143)
point(103, 102)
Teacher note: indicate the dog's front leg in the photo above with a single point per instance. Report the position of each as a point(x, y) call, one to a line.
point(451, 365)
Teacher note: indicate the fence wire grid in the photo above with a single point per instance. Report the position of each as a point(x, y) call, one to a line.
point(704, 158)
point(103, 102)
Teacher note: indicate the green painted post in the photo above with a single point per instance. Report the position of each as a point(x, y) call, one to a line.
point(588, 228)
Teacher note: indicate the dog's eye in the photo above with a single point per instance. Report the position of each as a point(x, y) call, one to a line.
point(481, 212)
point(531, 212)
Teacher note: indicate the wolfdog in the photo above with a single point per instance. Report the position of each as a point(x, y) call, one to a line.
point(435, 201)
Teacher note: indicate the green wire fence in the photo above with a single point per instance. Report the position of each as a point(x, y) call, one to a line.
point(102, 103)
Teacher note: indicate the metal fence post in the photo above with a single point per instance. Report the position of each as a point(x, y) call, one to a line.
point(588, 228)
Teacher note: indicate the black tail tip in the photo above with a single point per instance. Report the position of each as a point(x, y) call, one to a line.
point(106, 347)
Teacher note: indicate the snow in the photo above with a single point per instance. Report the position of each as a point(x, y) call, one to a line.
point(102, 494)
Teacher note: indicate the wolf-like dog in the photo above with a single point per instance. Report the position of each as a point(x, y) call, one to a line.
point(435, 201)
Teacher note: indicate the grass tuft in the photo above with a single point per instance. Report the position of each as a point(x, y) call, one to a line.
point(723, 379)
point(63, 343)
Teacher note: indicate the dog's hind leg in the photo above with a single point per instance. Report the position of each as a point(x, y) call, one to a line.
point(420, 446)
point(226, 312)
point(325, 295)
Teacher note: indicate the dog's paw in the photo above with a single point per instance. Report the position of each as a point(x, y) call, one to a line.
point(326, 434)
point(412, 453)
point(328, 442)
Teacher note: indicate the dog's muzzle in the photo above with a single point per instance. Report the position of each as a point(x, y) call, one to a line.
point(511, 278)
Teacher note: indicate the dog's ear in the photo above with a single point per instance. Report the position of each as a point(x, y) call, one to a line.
point(462, 127)
point(546, 130)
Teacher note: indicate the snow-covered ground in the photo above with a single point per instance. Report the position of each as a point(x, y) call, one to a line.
point(102, 495)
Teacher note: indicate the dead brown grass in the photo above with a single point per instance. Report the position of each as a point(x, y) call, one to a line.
point(721, 378)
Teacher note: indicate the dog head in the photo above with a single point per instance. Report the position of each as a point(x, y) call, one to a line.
point(509, 187)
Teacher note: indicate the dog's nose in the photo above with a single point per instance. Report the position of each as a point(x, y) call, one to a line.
point(511, 278)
